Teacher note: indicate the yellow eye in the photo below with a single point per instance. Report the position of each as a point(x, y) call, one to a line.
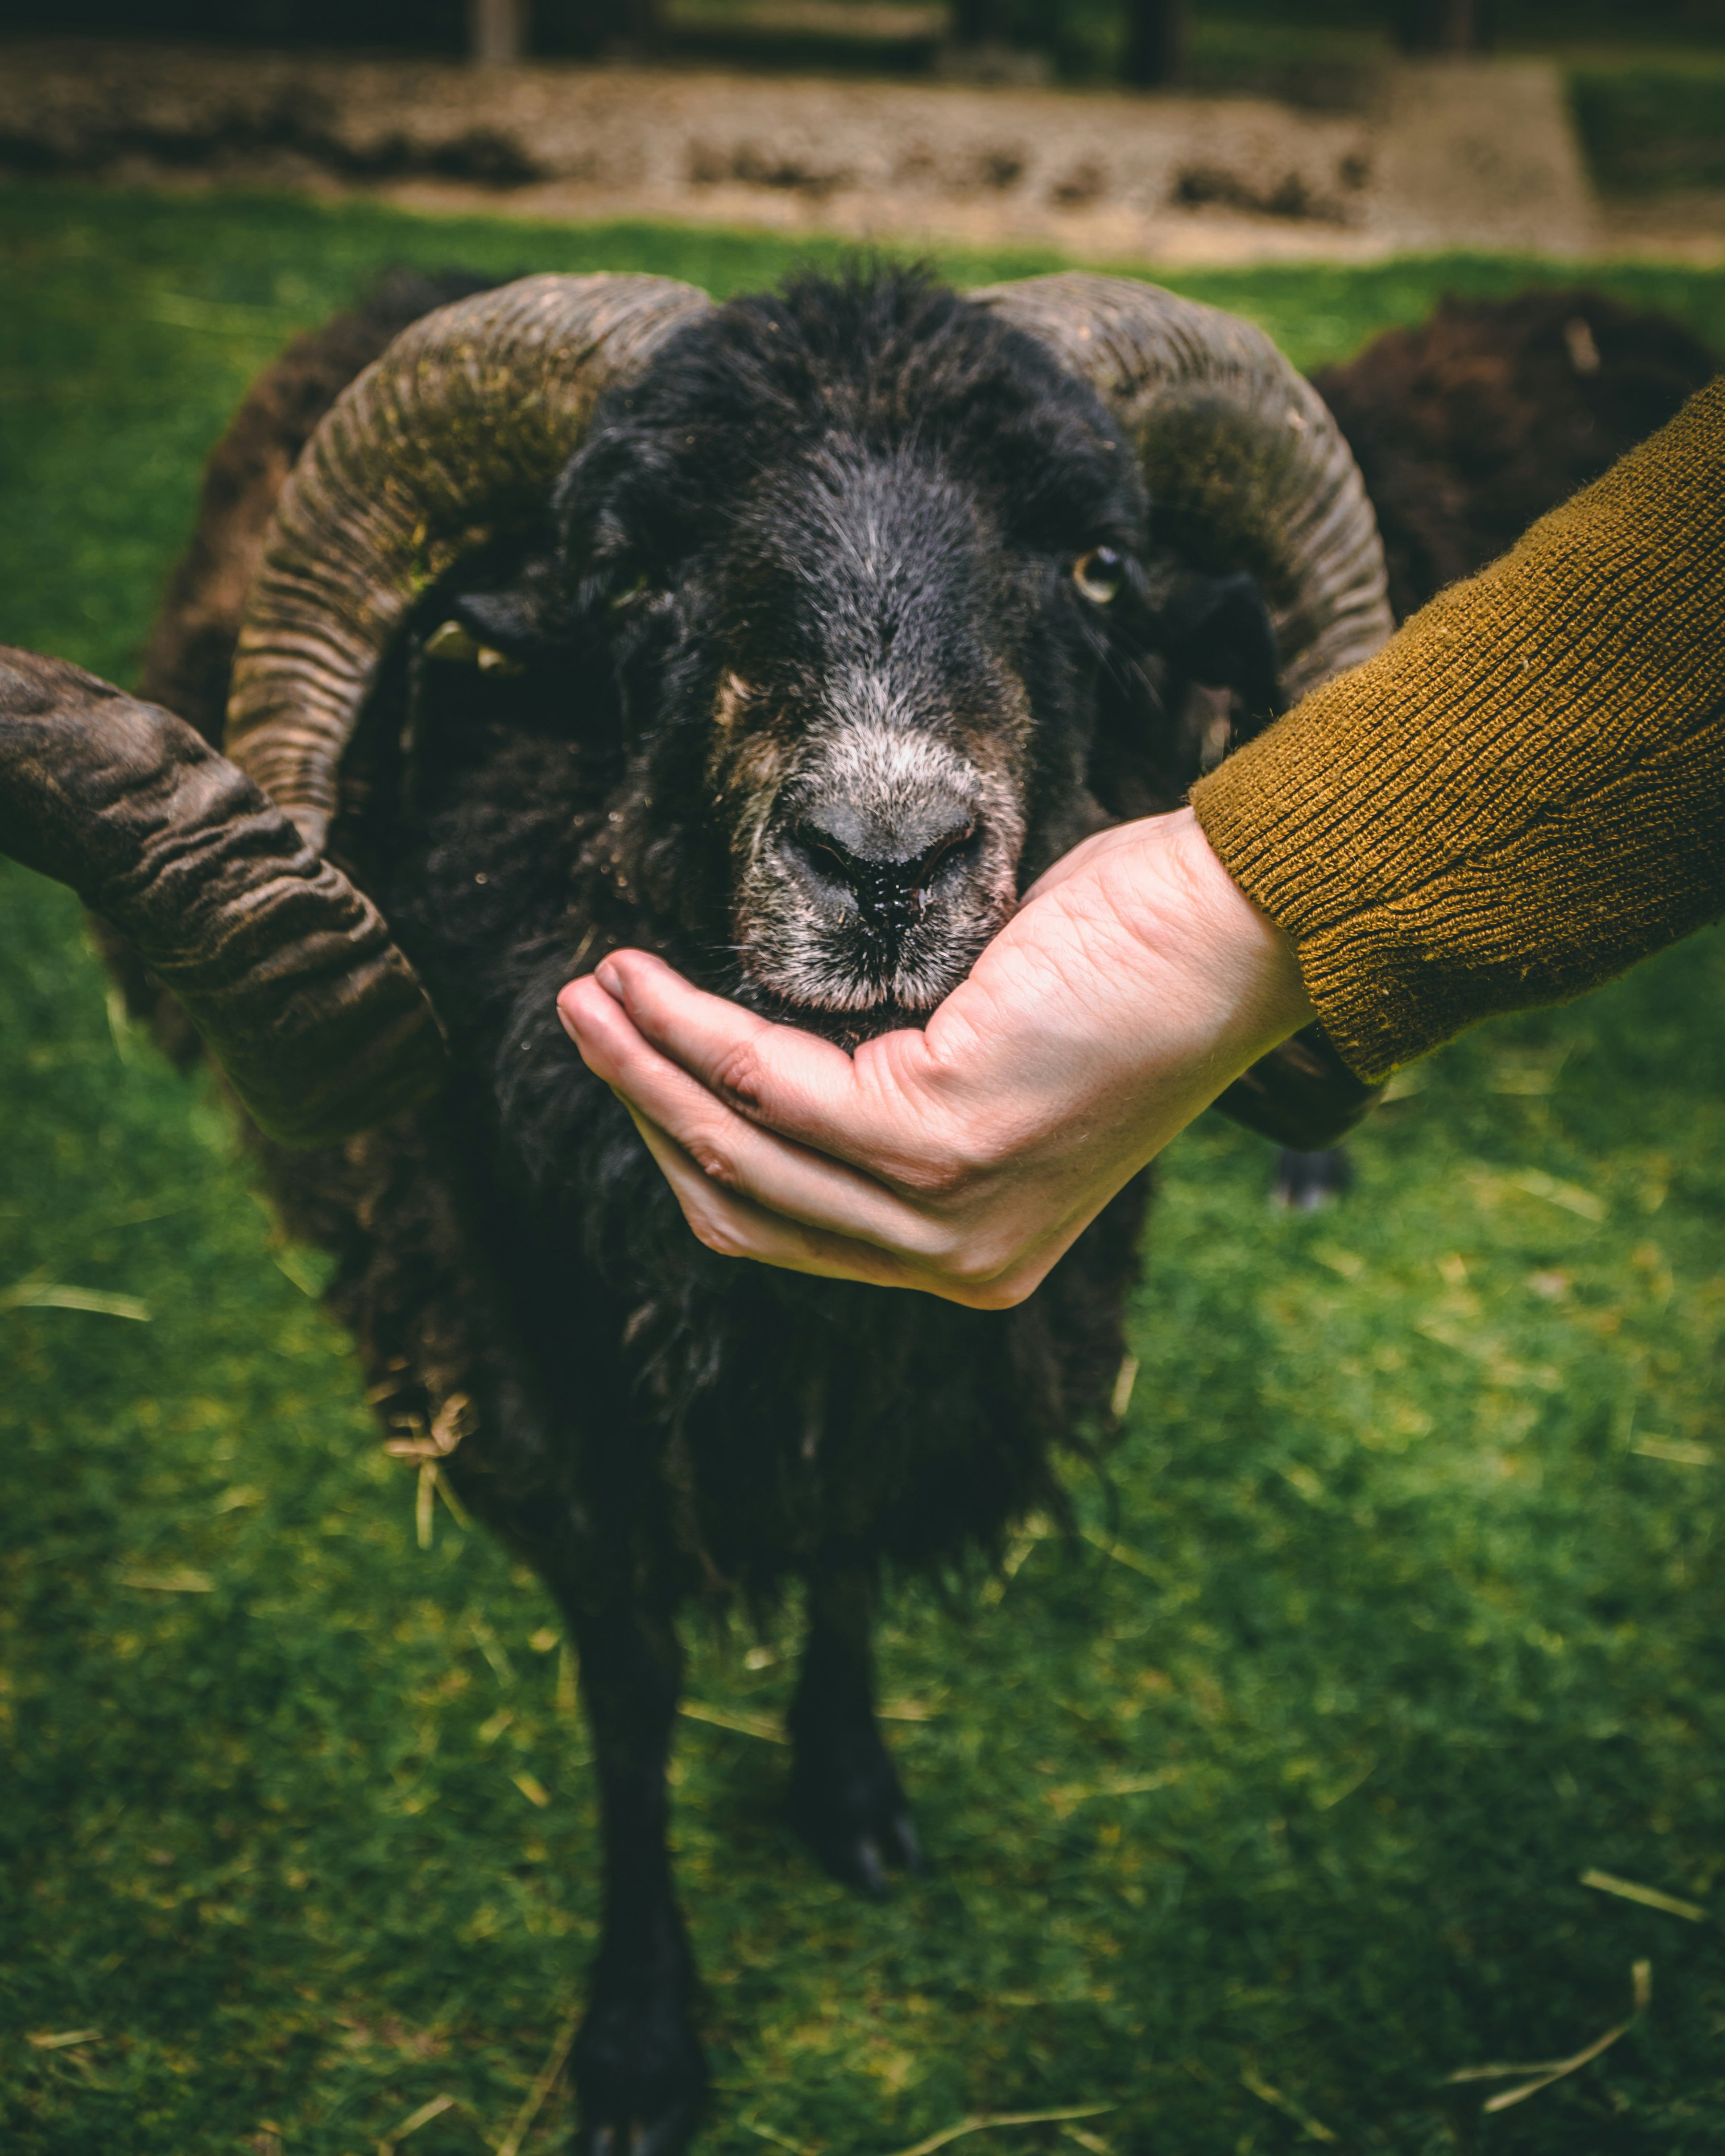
point(1099, 574)
point(454, 645)
point(630, 592)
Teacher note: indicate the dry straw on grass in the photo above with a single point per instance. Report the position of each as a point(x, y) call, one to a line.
point(977, 2122)
point(511, 2144)
point(1545, 2071)
point(56, 1295)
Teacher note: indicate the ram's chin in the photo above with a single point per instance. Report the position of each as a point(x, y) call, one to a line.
point(857, 1011)
point(851, 1028)
point(844, 990)
point(848, 1026)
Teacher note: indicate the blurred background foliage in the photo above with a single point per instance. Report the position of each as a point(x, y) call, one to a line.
point(1647, 81)
point(1255, 1813)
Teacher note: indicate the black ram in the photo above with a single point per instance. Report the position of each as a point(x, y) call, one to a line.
point(788, 639)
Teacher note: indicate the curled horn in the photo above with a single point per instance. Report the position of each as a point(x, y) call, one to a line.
point(460, 425)
point(1244, 464)
point(287, 972)
point(1247, 469)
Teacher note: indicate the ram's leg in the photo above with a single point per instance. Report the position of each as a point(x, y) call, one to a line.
point(845, 1798)
point(1307, 1182)
point(639, 2071)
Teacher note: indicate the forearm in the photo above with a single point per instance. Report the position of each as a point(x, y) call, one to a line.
point(1525, 791)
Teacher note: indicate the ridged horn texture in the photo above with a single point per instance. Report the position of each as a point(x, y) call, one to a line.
point(459, 427)
point(1246, 467)
point(287, 972)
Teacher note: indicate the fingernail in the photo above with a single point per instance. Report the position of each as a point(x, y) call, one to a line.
point(610, 979)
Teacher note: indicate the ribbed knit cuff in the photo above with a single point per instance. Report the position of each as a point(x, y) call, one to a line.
point(1524, 791)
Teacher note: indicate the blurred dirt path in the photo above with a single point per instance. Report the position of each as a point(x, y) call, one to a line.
point(1476, 154)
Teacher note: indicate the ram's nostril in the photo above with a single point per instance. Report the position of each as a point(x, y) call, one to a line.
point(938, 856)
point(889, 873)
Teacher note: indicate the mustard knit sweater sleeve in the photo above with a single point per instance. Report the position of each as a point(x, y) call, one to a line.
point(1524, 791)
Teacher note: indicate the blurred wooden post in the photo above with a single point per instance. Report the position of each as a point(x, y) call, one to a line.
point(976, 22)
point(496, 32)
point(1156, 42)
point(1443, 26)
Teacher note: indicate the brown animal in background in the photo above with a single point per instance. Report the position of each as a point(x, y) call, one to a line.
point(1470, 428)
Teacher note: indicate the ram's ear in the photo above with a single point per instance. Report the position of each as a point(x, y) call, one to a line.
point(1218, 631)
point(520, 620)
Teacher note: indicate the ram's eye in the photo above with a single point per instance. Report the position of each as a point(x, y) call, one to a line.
point(454, 646)
point(630, 589)
point(1099, 574)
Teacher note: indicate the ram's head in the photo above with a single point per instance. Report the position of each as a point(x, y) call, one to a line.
point(888, 596)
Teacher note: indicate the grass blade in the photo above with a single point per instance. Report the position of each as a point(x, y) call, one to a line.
point(511, 2144)
point(1650, 1897)
point(411, 2124)
point(1549, 2071)
point(57, 1294)
point(745, 1725)
point(979, 2121)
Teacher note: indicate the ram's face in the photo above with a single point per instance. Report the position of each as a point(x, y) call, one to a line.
point(870, 735)
point(896, 680)
point(856, 606)
point(888, 690)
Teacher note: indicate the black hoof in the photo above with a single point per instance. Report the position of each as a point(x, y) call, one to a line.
point(1307, 1182)
point(640, 2080)
point(659, 2133)
point(852, 1813)
point(862, 1862)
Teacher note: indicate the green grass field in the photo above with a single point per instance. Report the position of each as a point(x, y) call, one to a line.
point(1255, 1816)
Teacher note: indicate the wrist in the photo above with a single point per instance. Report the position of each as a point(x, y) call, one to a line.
point(1234, 946)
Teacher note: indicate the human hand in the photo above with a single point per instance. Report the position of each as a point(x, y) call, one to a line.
point(1134, 982)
